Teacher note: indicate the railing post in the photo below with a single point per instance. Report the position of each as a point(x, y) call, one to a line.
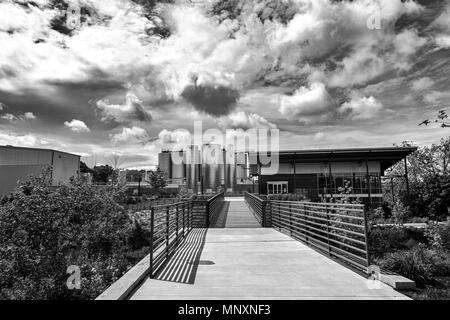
point(207, 214)
point(290, 219)
point(184, 212)
point(279, 215)
point(167, 230)
point(328, 228)
point(366, 233)
point(176, 223)
point(264, 214)
point(152, 229)
point(306, 224)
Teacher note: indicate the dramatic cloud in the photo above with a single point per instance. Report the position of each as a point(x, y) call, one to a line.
point(242, 120)
point(131, 110)
point(214, 101)
point(361, 108)
point(306, 102)
point(77, 126)
point(238, 64)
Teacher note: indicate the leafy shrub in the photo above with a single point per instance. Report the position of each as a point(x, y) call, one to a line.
point(419, 264)
point(439, 235)
point(386, 239)
point(45, 229)
point(287, 197)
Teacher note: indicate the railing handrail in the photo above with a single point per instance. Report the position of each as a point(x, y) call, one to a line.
point(320, 203)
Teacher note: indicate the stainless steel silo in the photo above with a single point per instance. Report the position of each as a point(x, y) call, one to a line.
point(178, 167)
point(164, 163)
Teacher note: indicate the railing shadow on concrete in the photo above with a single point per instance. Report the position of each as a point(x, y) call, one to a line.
point(170, 226)
point(182, 266)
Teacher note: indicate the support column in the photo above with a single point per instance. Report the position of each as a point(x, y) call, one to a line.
point(368, 182)
point(330, 184)
point(295, 174)
point(406, 177)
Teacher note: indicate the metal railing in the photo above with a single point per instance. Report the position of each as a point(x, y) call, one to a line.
point(258, 206)
point(214, 206)
point(169, 225)
point(338, 230)
point(147, 205)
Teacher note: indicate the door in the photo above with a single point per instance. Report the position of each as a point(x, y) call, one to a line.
point(277, 187)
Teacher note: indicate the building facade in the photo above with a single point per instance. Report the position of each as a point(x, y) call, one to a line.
point(16, 163)
point(332, 173)
point(318, 175)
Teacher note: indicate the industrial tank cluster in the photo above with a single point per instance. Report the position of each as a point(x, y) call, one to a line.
point(205, 169)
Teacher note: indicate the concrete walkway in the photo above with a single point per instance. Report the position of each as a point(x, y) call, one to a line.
point(254, 263)
point(238, 215)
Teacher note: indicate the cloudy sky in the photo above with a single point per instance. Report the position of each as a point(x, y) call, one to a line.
point(99, 78)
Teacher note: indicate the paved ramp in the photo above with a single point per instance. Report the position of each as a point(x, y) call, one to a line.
point(238, 214)
point(254, 263)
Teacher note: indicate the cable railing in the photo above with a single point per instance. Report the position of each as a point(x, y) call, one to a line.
point(169, 225)
point(258, 206)
point(338, 230)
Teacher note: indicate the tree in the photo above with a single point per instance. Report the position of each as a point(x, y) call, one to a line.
point(103, 173)
point(429, 181)
point(442, 118)
point(157, 179)
point(84, 168)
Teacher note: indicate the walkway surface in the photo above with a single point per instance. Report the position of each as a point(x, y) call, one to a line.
point(254, 263)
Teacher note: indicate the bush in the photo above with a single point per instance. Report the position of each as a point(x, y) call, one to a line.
point(386, 239)
point(45, 229)
point(287, 197)
point(439, 235)
point(419, 264)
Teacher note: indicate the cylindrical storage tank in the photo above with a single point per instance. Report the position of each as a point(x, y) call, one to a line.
point(240, 167)
point(212, 157)
point(165, 163)
point(178, 167)
point(192, 170)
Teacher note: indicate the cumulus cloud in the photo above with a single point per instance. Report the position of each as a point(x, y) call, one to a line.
point(244, 121)
point(361, 108)
point(422, 84)
point(131, 110)
point(442, 25)
point(306, 101)
point(176, 140)
point(77, 126)
point(13, 118)
point(132, 135)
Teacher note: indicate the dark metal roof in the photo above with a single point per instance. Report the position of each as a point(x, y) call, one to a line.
point(387, 156)
point(37, 149)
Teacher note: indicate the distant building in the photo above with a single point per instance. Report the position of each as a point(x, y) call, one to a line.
point(16, 163)
point(317, 174)
point(206, 169)
point(321, 174)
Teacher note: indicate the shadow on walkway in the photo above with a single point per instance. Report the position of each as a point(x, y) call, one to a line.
point(220, 220)
point(182, 266)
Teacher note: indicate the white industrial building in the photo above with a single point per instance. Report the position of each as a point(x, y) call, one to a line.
point(16, 163)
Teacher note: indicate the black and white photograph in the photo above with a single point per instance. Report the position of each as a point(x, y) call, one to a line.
point(224, 154)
